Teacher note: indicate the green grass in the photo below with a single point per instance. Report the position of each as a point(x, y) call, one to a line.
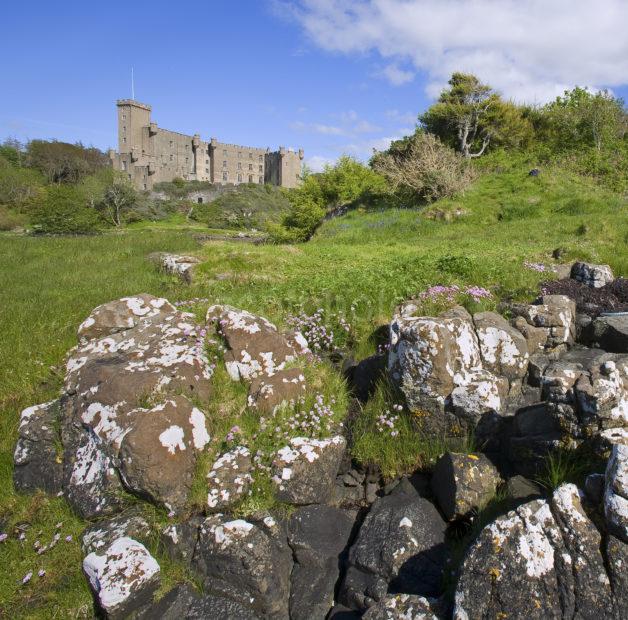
point(358, 266)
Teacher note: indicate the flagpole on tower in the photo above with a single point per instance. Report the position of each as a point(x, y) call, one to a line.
point(132, 85)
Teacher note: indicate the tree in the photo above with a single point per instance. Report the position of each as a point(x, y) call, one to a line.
point(469, 116)
point(61, 162)
point(118, 200)
point(63, 210)
point(424, 168)
point(581, 118)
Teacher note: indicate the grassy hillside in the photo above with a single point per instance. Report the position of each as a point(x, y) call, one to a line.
point(357, 268)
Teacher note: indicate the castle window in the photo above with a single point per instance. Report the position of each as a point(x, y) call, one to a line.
point(199, 200)
point(207, 170)
point(239, 165)
point(250, 155)
point(144, 185)
point(207, 161)
point(240, 178)
point(123, 165)
point(224, 164)
point(239, 154)
point(261, 158)
point(225, 176)
point(187, 159)
point(261, 180)
point(171, 143)
point(123, 140)
point(261, 168)
point(250, 178)
point(187, 146)
point(171, 157)
point(224, 153)
point(250, 166)
point(124, 128)
point(124, 117)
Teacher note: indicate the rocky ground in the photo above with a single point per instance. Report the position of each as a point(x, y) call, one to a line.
point(537, 379)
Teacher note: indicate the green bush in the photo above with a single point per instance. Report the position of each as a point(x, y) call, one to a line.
point(64, 210)
point(10, 219)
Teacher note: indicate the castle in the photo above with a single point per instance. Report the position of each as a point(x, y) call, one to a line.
point(150, 154)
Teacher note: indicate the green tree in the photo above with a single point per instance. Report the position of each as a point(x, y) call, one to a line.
point(469, 116)
point(580, 118)
point(118, 200)
point(64, 210)
point(61, 162)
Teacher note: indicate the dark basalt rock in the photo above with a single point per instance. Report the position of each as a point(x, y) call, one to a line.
point(318, 536)
point(399, 548)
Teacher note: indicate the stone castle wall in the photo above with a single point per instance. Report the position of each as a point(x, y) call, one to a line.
point(150, 154)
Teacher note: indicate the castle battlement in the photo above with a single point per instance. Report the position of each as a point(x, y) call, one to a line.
point(150, 154)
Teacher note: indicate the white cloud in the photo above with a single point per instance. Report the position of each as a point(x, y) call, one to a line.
point(317, 163)
point(350, 125)
point(364, 149)
point(401, 117)
point(395, 75)
point(327, 130)
point(529, 49)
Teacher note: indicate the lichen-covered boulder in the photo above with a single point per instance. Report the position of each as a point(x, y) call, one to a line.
point(556, 314)
point(318, 536)
point(229, 479)
point(401, 607)
point(304, 472)
point(437, 363)
point(123, 577)
point(267, 393)
point(114, 375)
point(159, 450)
point(37, 458)
point(178, 265)
point(429, 356)
point(122, 314)
point(616, 492)
point(482, 392)
point(254, 345)
point(540, 560)
point(130, 524)
point(400, 548)
point(463, 482)
point(247, 562)
point(602, 392)
point(595, 276)
point(503, 349)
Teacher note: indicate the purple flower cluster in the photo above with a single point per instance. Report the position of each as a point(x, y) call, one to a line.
point(318, 333)
point(38, 547)
point(540, 267)
point(441, 293)
point(477, 293)
point(233, 433)
point(386, 422)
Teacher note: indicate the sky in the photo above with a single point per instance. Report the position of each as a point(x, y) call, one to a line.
point(331, 76)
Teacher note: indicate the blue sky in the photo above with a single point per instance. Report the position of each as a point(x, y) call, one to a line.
point(331, 76)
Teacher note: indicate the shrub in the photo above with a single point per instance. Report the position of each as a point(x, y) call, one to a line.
point(64, 211)
point(425, 169)
point(9, 219)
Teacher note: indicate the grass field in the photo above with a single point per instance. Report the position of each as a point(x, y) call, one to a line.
point(357, 267)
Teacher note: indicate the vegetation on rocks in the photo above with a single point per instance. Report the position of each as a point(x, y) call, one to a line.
point(496, 241)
